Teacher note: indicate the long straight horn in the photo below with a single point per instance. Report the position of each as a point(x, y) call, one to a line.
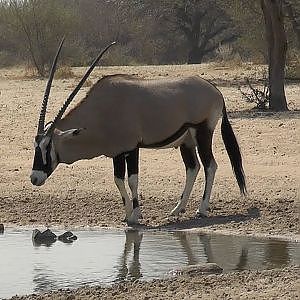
point(47, 91)
point(80, 84)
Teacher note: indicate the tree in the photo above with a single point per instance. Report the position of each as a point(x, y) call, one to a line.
point(250, 44)
point(205, 25)
point(36, 26)
point(277, 48)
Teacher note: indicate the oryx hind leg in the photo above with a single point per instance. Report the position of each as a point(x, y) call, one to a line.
point(192, 166)
point(119, 176)
point(204, 136)
point(132, 161)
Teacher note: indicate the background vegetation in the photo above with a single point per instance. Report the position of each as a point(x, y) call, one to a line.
point(148, 31)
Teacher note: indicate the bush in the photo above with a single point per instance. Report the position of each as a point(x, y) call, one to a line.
point(258, 96)
point(64, 72)
point(293, 72)
point(224, 52)
point(7, 59)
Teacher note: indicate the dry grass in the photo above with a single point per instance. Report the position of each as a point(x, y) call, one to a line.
point(64, 72)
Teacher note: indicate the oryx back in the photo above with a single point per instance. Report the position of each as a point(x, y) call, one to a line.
point(122, 112)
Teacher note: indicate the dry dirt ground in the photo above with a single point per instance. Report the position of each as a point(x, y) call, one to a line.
point(83, 194)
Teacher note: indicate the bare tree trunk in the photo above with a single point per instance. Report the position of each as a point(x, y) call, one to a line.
point(39, 67)
point(277, 48)
point(195, 56)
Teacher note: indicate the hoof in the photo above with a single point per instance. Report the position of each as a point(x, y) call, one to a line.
point(133, 222)
point(176, 212)
point(201, 214)
point(134, 218)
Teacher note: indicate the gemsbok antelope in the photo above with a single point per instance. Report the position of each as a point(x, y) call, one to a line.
point(121, 114)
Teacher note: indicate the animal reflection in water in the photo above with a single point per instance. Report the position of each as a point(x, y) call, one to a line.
point(132, 270)
point(229, 252)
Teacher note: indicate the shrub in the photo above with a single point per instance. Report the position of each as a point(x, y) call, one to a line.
point(259, 96)
point(292, 70)
point(7, 59)
point(64, 72)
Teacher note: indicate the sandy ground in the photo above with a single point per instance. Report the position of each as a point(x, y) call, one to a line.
point(83, 194)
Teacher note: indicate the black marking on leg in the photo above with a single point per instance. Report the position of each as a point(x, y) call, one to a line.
point(132, 160)
point(135, 203)
point(188, 157)
point(204, 141)
point(123, 200)
point(119, 166)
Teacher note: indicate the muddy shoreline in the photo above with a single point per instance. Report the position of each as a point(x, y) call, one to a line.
point(267, 284)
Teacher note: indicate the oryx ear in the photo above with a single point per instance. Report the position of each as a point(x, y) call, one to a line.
point(69, 133)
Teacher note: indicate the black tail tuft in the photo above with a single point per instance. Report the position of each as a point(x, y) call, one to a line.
point(233, 150)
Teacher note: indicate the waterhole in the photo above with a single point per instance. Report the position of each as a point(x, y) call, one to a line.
point(106, 257)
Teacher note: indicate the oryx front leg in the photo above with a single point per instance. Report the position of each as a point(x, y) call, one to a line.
point(132, 160)
point(192, 167)
point(119, 176)
point(204, 140)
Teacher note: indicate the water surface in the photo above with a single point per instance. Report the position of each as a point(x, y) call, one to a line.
point(106, 256)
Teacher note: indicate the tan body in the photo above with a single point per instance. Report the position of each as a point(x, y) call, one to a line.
point(122, 112)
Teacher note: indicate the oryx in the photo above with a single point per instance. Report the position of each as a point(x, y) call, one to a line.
point(121, 114)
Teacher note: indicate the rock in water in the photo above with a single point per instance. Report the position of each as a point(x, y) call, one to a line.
point(193, 270)
point(67, 237)
point(1, 228)
point(47, 237)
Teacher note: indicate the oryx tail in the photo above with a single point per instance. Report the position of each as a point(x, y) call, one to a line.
point(233, 150)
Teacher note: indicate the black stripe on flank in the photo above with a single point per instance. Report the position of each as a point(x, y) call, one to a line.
point(171, 138)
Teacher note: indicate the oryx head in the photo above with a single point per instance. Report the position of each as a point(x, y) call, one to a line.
point(46, 157)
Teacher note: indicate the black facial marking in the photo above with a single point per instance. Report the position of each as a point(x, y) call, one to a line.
point(135, 203)
point(38, 163)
